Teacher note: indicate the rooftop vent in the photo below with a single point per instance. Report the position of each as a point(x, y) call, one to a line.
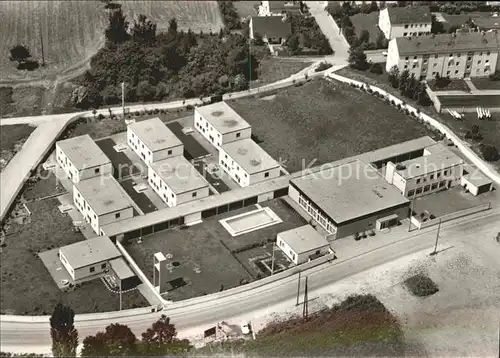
point(255, 162)
point(242, 151)
point(217, 113)
point(400, 167)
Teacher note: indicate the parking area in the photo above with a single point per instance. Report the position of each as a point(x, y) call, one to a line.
point(450, 201)
point(205, 258)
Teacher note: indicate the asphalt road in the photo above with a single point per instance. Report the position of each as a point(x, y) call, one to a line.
point(34, 336)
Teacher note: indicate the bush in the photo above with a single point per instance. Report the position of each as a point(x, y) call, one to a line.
point(376, 68)
point(421, 285)
point(495, 76)
point(489, 152)
point(323, 66)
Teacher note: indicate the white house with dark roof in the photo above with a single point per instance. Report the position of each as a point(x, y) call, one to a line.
point(247, 163)
point(272, 29)
point(88, 259)
point(102, 200)
point(405, 21)
point(81, 158)
point(303, 244)
point(152, 140)
point(447, 55)
point(176, 181)
point(220, 124)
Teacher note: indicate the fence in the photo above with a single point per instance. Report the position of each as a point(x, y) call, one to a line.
point(451, 216)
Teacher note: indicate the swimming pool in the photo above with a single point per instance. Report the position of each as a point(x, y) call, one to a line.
point(250, 221)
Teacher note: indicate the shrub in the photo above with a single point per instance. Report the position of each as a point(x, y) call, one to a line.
point(323, 66)
point(189, 107)
point(489, 152)
point(376, 68)
point(100, 116)
point(421, 285)
point(495, 76)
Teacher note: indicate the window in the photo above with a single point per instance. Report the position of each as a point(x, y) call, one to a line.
point(266, 175)
point(448, 73)
point(103, 266)
point(238, 135)
point(193, 195)
point(480, 53)
point(92, 269)
point(411, 192)
point(488, 53)
point(446, 172)
point(479, 62)
point(117, 215)
point(427, 188)
point(469, 58)
point(172, 195)
point(431, 177)
point(434, 65)
point(418, 181)
point(468, 67)
point(414, 57)
point(458, 55)
point(406, 66)
point(407, 58)
point(406, 26)
point(425, 62)
point(456, 72)
point(78, 194)
point(405, 34)
point(487, 61)
point(169, 151)
point(418, 191)
point(435, 56)
point(132, 135)
point(451, 55)
point(442, 184)
point(95, 216)
point(414, 65)
point(438, 175)
point(434, 186)
point(96, 171)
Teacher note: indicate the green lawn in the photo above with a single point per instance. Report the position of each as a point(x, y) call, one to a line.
point(11, 134)
point(453, 85)
point(367, 22)
point(486, 84)
point(246, 8)
point(324, 121)
point(275, 69)
point(28, 288)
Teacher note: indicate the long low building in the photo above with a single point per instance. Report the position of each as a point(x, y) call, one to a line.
point(102, 201)
point(220, 124)
point(247, 163)
point(349, 199)
point(152, 140)
point(81, 158)
point(176, 181)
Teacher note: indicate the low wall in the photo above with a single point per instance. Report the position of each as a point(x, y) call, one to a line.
point(455, 215)
point(434, 98)
point(452, 137)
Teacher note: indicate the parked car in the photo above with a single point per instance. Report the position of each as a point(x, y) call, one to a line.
point(384, 53)
point(245, 327)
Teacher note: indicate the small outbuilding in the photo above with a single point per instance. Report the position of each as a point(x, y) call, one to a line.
point(303, 244)
point(477, 183)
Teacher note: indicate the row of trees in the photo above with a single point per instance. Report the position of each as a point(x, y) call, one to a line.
point(409, 86)
point(306, 34)
point(173, 64)
point(116, 340)
point(229, 15)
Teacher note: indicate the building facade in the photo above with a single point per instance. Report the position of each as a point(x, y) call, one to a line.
point(220, 124)
point(152, 140)
point(405, 21)
point(102, 201)
point(81, 158)
point(247, 163)
point(446, 55)
point(176, 181)
point(303, 244)
point(436, 170)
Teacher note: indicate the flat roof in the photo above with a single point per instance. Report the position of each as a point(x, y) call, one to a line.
point(397, 149)
point(89, 252)
point(250, 156)
point(439, 157)
point(104, 194)
point(179, 174)
point(303, 239)
point(83, 152)
point(223, 117)
point(349, 191)
point(155, 134)
point(120, 267)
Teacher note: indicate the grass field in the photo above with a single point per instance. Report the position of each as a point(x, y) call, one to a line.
point(246, 8)
point(453, 85)
point(10, 135)
point(486, 84)
point(28, 288)
point(367, 22)
point(72, 31)
point(273, 69)
point(325, 121)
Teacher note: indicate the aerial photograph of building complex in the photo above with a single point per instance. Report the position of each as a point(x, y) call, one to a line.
point(264, 178)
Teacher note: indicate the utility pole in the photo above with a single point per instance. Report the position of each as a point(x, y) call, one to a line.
point(120, 294)
point(272, 262)
point(41, 42)
point(305, 309)
point(298, 290)
point(411, 214)
point(437, 238)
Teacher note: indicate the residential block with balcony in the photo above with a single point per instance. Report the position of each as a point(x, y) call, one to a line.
point(447, 55)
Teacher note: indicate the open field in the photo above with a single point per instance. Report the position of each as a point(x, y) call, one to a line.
point(246, 8)
point(367, 22)
point(324, 121)
point(10, 135)
point(72, 31)
point(206, 253)
point(485, 84)
point(274, 69)
point(453, 85)
point(27, 287)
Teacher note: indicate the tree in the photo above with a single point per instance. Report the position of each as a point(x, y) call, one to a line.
point(257, 39)
point(19, 53)
point(364, 37)
point(381, 42)
point(293, 44)
point(376, 68)
point(422, 97)
point(144, 31)
point(403, 80)
point(437, 27)
point(63, 332)
point(117, 340)
point(117, 30)
point(335, 9)
point(373, 6)
point(489, 153)
point(161, 339)
point(172, 27)
point(357, 58)
point(411, 88)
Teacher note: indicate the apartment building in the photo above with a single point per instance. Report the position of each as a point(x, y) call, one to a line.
point(152, 140)
point(220, 124)
point(247, 163)
point(102, 201)
point(176, 181)
point(438, 169)
point(447, 55)
point(405, 21)
point(81, 158)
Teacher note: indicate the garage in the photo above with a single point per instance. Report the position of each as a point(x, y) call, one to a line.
point(477, 183)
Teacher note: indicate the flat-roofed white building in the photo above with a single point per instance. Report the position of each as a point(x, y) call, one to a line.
point(89, 258)
point(247, 163)
point(102, 200)
point(81, 158)
point(176, 181)
point(220, 124)
point(439, 168)
point(152, 140)
point(303, 244)
point(349, 198)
